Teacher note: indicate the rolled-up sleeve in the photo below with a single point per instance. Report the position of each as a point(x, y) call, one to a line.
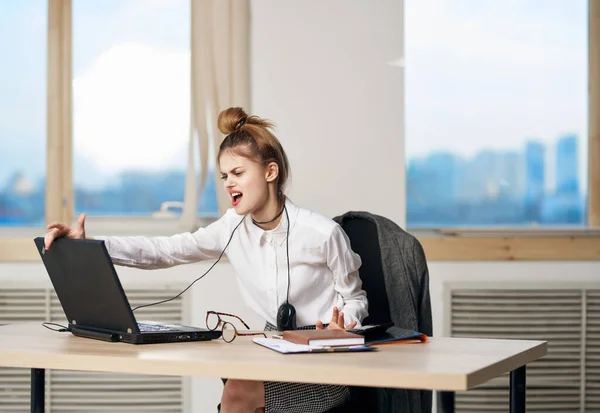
point(163, 252)
point(344, 263)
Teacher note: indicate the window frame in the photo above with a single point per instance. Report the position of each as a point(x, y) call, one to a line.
point(440, 245)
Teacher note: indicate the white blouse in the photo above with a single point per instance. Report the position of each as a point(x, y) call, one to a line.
point(323, 267)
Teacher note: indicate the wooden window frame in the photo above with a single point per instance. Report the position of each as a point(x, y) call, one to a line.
point(509, 245)
point(59, 186)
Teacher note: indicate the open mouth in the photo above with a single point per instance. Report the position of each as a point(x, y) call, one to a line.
point(235, 198)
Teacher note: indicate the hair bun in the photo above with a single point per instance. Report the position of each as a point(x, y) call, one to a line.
point(231, 120)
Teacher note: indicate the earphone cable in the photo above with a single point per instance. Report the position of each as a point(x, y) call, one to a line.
point(199, 278)
point(287, 253)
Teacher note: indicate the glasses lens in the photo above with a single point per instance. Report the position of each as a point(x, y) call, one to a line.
point(212, 321)
point(228, 332)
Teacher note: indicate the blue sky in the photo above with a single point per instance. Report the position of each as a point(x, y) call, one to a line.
point(479, 74)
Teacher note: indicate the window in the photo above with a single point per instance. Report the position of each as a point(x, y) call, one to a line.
point(496, 113)
point(23, 28)
point(131, 107)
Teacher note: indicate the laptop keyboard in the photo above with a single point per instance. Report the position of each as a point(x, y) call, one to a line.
point(153, 327)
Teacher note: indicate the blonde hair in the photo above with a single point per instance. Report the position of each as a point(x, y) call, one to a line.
point(250, 136)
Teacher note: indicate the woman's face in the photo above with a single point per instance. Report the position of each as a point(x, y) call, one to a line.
point(246, 182)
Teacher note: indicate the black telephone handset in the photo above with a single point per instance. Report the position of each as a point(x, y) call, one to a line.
point(372, 330)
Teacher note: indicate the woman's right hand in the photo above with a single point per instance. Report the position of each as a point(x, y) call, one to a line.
point(337, 322)
point(58, 230)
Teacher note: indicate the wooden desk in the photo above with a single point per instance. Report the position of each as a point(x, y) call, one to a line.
point(447, 364)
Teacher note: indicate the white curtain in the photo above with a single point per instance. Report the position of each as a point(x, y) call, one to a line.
point(220, 78)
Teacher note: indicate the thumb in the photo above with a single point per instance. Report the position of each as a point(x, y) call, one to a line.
point(81, 221)
point(319, 325)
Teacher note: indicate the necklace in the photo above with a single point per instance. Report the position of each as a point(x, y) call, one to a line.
point(268, 222)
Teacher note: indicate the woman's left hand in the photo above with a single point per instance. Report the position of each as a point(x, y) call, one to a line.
point(337, 322)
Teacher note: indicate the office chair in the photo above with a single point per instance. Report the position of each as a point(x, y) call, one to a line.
point(364, 241)
point(362, 230)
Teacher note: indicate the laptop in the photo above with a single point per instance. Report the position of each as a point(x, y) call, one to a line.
point(91, 295)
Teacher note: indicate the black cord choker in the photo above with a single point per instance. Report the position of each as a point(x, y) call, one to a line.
point(268, 222)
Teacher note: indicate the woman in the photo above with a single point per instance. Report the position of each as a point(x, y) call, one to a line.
point(313, 268)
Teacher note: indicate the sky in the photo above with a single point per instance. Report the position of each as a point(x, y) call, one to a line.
point(480, 74)
point(488, 73)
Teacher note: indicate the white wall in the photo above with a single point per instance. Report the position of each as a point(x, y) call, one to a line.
point(321, 70)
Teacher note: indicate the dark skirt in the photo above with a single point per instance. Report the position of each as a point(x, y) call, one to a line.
point(283, 397)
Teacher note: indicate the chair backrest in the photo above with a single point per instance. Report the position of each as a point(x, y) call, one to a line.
point(364, 240)
point(362, 230)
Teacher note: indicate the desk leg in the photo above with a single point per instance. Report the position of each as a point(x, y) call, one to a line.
point(38, 382)
point(517, 390)
point(446, 401)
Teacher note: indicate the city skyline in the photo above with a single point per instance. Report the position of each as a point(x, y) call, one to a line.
point(497, 187)
point(443, 189)
point(556, 164)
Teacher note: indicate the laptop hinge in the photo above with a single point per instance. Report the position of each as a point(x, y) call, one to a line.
point(97, 335)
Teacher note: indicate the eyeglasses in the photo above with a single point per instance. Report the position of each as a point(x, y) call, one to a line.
point(228, 330)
